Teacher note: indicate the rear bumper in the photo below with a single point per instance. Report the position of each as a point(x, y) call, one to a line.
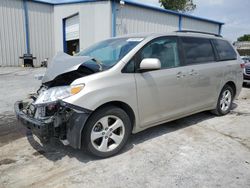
point(64, 127)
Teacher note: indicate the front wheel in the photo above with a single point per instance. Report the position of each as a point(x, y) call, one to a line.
point(106, 132)
point(225, 101)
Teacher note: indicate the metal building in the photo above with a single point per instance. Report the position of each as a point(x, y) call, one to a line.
point(243, 47)
point(44, 27)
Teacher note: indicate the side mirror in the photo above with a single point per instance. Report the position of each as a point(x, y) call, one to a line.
point(150, 64)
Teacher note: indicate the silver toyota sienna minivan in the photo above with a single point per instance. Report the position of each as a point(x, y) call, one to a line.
point(96, 99)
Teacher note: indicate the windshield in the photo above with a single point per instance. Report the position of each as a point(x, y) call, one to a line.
point(110, 51)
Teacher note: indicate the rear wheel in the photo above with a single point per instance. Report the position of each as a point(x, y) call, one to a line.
point(225, 101)
point(106, 132)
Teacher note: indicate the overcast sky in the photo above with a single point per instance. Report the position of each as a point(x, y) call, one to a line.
point(234, 13)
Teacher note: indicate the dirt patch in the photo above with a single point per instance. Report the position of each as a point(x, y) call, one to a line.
point(240, 113)
point(39, 152)
point(7, 161)
point(10, 130)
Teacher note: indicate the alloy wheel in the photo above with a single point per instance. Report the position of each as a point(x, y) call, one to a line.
point(107, 133)
point(226, 100)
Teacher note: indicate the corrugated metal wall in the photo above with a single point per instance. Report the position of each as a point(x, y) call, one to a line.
point(41, 24)
point(12, 32)
point(72, 28)
point(132, 19)
point(197, 25)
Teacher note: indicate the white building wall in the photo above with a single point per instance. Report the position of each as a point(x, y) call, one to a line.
point(132, 19)
point(12, 32)
point(198, 25)
point(41, 28)
point(95, 22)
point(46, 26)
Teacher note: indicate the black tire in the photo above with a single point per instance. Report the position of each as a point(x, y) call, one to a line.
point(94, 118)
point(219, 111)
point(244, 84)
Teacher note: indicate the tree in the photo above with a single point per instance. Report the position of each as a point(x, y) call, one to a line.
point(178, 5)
point(244, 38)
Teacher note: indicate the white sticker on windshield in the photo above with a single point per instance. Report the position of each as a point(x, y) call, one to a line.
point(135, 40)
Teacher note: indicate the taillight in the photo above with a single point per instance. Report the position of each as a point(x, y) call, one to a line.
point(242, 65)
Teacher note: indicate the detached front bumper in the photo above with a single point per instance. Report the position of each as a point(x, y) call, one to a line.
point(66, 125)
point(41, 128)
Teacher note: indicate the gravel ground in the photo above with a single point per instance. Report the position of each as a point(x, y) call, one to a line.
point(201, 150)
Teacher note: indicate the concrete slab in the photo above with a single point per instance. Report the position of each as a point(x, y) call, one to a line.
point(201, 150)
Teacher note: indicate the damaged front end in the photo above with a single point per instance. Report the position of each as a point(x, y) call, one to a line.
point(46, 114)
point(55, 120)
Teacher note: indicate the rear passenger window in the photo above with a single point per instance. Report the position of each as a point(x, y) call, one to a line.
point(197, 50)
point(224, 50)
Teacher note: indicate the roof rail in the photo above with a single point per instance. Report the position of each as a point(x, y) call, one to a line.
point(200, 32)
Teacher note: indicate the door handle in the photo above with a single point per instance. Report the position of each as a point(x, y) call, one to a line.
point(180, 75)
point(193, 72)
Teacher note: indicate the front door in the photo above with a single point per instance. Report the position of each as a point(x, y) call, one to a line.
point(161, 93)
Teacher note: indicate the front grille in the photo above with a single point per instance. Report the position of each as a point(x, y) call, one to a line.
point(247, 70)
point(40, 112)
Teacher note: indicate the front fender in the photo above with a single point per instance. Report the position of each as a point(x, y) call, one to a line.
point(121, 87)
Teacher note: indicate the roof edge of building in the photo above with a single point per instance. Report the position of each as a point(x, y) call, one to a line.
point(170, 11)
point(130, 2)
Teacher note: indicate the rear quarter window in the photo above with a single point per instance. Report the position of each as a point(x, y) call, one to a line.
point(197, 50)
point(225, 50)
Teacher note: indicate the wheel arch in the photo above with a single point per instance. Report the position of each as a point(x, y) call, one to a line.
point(123, 106)
point(119, 104)
point(233, 86)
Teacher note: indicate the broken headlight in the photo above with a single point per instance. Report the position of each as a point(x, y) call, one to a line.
point(57, 93)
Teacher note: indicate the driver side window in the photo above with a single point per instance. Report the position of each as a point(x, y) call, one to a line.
point(165, 49)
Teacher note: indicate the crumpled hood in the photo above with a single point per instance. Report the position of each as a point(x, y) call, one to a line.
point(63, 63)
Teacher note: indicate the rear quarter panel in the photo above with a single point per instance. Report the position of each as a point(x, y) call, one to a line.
point(234, 73)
